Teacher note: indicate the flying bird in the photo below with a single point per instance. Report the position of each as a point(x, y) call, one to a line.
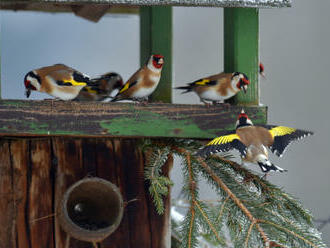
point(219, 87)
point(253, 142)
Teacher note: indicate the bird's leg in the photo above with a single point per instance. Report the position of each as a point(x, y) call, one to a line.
point(264, 177)
point(206, 103)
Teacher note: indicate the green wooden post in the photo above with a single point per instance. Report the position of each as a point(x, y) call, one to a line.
point(241, 46)
point(156, 37)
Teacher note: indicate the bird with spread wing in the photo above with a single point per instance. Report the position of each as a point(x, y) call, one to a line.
point(252, 142)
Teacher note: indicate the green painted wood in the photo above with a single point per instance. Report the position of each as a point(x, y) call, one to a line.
point(210, 3)
point(156, 38)
point(92, 119)
point(241, 46)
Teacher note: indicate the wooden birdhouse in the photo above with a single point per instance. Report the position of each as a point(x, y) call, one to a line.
point(47, 146)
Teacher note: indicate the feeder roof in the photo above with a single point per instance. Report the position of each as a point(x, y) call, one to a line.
point(5, 4)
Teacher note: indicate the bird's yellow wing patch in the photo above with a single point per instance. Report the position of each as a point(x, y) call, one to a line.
point(74, 82)
point(223, 144)
point(90, 90)
point(125, 87)
point(202, 82)
point(223, 139)
point(283, 136)
point(281, 131)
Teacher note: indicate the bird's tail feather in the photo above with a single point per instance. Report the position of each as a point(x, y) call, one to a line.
point(268, 166)
point(186, 88)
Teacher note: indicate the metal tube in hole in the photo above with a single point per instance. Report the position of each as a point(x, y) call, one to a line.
point(91, 209)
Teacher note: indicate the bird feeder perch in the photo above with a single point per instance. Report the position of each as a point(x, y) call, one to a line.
point(45, 151)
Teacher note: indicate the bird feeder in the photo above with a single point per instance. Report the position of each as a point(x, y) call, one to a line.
point(47, 146)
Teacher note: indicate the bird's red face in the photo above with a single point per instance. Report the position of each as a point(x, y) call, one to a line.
point(243, 82)
point(261, 68)
point(243, 120)
point(29, 77)
point(242, 115)
point(157, 61)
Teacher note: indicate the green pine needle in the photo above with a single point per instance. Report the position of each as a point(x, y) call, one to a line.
point(252, 211)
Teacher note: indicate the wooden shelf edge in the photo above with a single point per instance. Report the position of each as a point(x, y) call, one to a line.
point(93, 119)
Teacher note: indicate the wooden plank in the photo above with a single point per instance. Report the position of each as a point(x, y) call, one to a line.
point(40, 195)
point(90, 119)
point(7, 205)
point(64, 8)
point(210, 3)
point(109, 167)
point(241, 44)
point(156, 38)
point(69, 169)
point(20, 160)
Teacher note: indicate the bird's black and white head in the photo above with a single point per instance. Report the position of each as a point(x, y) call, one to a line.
point(243, 120)
point(114, 80)
point(240, 80)
point(156, 62)
point(32, 81)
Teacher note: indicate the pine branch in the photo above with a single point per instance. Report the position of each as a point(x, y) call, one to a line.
point(253, 211)
point(220, 183)
point(159, 184)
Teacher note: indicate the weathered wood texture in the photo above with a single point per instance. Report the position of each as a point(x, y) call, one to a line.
point(211, 3)
point(53, 8)
point(59, 118)
point(35, 172)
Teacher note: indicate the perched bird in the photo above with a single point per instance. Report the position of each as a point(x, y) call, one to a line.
point(218, 87)
point(102, 89)
point(58, 80)
point(262, 70)
point(143, 82)
point(252, 142)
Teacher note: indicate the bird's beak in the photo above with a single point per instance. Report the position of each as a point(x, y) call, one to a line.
point(27, 93)
point(263, 75)
point(161, 61)
point(244, 88)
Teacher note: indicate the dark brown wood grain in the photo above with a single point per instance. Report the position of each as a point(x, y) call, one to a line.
point(94, 119)
point(20, 158)
point(35, 172)
point(7, 208)
point(40, 194)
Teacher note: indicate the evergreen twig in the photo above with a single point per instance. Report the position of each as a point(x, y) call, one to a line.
point(255, 212)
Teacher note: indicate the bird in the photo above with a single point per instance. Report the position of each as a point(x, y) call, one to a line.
point(253, 142)
point(219, 87)
point(143, 82)
point(59, 80)
point(262, 70)
point(104, 86)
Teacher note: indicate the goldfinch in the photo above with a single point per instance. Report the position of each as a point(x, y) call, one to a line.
point(58, 80)
point(218, 87)
point(252, 142)
point(262, 70)
point(102, 89)
point(143, 82)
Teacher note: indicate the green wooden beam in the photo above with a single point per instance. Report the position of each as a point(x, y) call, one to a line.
point(241, 46)
point(93, 119)
point(156, 37)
